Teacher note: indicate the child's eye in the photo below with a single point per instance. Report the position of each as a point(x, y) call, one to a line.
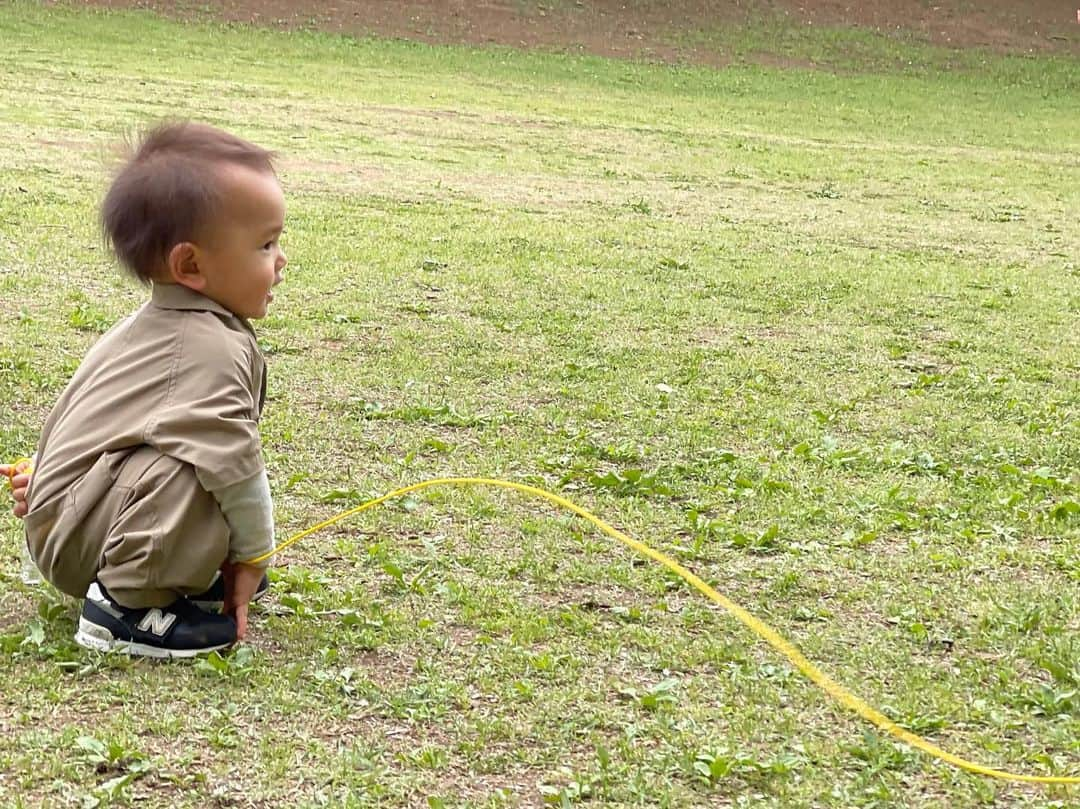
point(268, 245)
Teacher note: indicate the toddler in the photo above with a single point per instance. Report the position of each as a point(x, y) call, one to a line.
point(148, 489)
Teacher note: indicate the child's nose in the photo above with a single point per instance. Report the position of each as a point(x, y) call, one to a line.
point(282, 260)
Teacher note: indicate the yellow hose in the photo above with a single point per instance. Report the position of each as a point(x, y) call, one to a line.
point(757, 626)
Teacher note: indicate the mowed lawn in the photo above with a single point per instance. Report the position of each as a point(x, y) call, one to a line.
point(815, 334)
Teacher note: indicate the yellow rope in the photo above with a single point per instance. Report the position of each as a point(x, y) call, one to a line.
point(13, 469)
point(758, 627)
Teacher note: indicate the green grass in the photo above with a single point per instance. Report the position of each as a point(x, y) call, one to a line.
point(814, 334)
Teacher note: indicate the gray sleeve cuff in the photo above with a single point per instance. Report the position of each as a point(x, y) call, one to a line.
point(249, 511)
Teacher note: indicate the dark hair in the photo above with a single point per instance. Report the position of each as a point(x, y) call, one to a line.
point(168, 188)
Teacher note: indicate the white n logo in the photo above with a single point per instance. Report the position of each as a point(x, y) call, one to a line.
point(156, 622)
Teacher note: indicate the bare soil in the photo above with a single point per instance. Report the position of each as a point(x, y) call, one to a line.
point(640, 29)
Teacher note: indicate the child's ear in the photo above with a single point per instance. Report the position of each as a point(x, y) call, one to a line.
point(183, 267)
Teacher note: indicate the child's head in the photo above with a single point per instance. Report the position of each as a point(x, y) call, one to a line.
point(199, 207)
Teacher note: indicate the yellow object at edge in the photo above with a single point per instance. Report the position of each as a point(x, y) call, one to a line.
point(757, 626)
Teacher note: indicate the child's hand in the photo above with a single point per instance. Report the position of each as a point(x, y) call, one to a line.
point(19, 479)
point(241, 581)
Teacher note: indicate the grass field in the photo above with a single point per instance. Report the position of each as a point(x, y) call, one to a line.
point(815, 334)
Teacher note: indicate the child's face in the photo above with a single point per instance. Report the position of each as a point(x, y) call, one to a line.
point(241, 258)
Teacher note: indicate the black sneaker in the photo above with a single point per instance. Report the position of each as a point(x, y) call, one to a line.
point(213, 598)
point(179, 630)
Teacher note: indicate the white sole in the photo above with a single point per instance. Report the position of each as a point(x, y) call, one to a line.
point(98, 638)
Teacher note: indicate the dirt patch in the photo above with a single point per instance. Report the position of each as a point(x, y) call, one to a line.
point(1038, 25)
point(15, 612)
point(646, 30)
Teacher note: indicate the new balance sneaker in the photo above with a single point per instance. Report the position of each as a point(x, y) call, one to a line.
point(179, 630)
point(213, 599)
